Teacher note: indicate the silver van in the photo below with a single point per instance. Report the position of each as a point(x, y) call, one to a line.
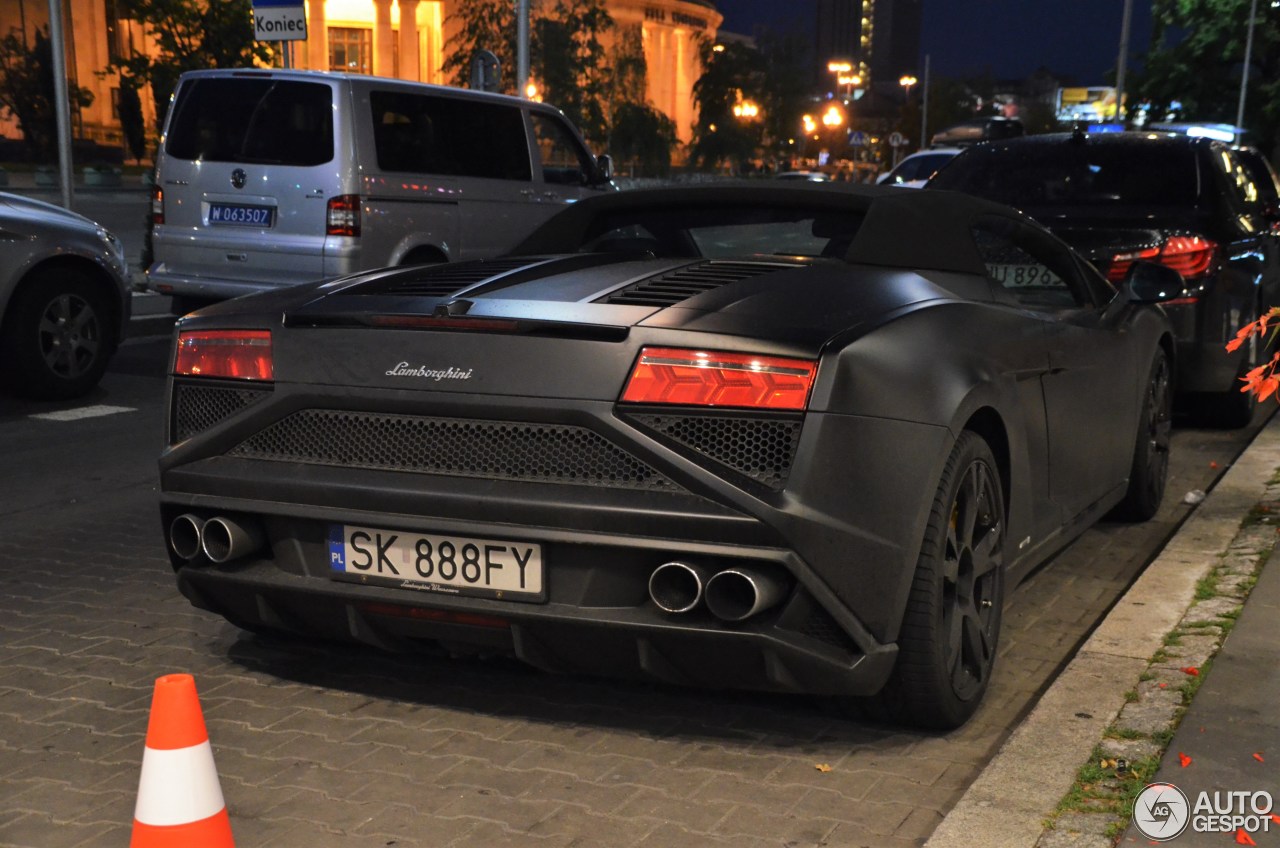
point(269, 178)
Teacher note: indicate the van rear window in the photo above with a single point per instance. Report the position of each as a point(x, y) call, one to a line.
point(417, 133)
point(258, 121)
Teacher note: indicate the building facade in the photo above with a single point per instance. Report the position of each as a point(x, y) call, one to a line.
point(406, 39)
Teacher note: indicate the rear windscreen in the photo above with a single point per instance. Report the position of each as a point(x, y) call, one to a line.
point(1036, 176)
point(257, 121)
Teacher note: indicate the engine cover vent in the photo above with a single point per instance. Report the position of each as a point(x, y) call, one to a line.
point(683, 283)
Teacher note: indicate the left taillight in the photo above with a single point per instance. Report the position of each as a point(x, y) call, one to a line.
point(157, 205)
point(232, 354)
point(1190, 256)
point(716, 378)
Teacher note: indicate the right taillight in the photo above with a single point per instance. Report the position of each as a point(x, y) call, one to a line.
point(1190, 256)
point(157, 205)
point(717, 378)
point(342, 216)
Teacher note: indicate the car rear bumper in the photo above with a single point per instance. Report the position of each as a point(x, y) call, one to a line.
point(841, 536)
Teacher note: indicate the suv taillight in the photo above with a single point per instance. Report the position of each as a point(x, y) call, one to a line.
point(342, 217)
point(157, 205)
point(1190, 256)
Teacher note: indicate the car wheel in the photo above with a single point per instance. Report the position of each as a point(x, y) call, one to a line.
point(59, 333)
point(947, 643)
point(1150, 467)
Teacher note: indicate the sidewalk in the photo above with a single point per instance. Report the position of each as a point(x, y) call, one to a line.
point(24, 182)
point(1126, 686)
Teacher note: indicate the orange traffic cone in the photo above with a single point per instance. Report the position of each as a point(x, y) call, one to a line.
point(179, 799)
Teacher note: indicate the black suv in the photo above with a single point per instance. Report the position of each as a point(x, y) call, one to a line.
point(1192, 204)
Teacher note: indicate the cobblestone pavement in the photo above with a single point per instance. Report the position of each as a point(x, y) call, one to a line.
point(321, 745)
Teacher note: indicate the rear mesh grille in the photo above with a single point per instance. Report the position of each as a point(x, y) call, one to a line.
point(494, 450)
point(683, 283)
point(197, 408)
point(760, 448)
point(440, 280)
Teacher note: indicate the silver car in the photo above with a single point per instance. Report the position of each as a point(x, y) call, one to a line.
point(64, 299)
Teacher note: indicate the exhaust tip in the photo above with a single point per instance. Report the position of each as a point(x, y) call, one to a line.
point(676, 587)
point(224, 539)
point(738, 594)
point(184, 535)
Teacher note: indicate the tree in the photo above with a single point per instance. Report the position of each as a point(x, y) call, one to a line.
point(730, 76)
point(569, 60)
point(640, 136)
point(132, 124)
point(189, 35)
point(1197, 56)
point(483, 25)
point(27, 91)
point(785, 88)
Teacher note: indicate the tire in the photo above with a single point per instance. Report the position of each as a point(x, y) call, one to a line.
point(59, 332)
point(1150, 466)
point(947, 643)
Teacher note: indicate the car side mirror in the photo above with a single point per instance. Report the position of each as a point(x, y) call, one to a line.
point(604, 168)
point(1151, 282)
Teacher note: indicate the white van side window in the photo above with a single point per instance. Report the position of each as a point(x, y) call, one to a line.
point(564, 162)
point(424, 134)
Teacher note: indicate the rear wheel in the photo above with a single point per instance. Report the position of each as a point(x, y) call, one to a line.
point(947, 645)
point(59, 334)
point(1150, 467)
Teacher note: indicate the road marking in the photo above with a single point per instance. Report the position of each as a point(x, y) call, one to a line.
point(76, 414)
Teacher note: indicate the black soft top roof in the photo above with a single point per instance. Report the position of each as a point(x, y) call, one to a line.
point(902, 228)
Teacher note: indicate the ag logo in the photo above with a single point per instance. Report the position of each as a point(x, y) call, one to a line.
point(238, 177)
point(1161, 811)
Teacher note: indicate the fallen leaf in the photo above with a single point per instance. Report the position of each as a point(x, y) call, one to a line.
point(822, 767)
point(1258, 757)
point(1243, 838)
point(1194, 672)
point(1275, 818)
point(1107, 764)
point(1213, 465)
point(1164, 685)
point(1184, 759)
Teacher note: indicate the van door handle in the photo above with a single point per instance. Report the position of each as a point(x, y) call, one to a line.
point(238, 257)
point(527, 192)
point(550, 195)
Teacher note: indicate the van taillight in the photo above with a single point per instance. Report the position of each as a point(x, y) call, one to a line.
point(342, 217)
point(157, 205)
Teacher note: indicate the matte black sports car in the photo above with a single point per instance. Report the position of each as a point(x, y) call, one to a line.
point(788, 437)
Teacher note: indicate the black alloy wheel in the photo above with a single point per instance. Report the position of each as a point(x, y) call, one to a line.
point(951, 627)
point(1150, 468)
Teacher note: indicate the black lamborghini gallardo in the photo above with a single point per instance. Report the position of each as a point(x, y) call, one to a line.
point(786, 437)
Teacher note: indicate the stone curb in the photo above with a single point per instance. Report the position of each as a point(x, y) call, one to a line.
point(1021, 786)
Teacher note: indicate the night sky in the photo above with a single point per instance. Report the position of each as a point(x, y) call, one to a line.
point(1010, 38)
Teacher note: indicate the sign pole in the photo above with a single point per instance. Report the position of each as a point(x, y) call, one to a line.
point(61, 99)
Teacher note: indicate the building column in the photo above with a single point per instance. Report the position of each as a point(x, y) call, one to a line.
point(317, 37)
point(683, 82)
point(410, 67)
point(383, 51)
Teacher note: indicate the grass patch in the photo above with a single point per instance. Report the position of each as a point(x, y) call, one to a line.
point(1207, 586)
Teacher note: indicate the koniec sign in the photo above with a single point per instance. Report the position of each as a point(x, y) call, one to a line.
point(279, 20)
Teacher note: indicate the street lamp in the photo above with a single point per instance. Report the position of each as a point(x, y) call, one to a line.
point(746, 110)
point(906, 81)
point(833, 117)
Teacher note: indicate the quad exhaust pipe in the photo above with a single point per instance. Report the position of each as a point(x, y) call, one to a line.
point(221, 539)
point(734, 594)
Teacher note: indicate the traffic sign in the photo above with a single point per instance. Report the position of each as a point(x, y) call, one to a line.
point(279, 20)
point(896, 140)
point(858, 138)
